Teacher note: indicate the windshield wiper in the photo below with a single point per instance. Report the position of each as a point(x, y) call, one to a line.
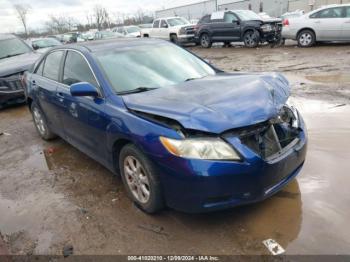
point(136, 90)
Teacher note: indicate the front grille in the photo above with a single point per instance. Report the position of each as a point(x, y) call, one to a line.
point(270, 139)
point(11, 83)
point(190, 31)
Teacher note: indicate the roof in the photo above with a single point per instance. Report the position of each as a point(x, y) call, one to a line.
point(101, 45)
point(6, 36)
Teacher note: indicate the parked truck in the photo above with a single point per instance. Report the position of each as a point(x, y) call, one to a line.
point(176, 29)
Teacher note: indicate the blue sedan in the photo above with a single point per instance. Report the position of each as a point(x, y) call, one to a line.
point(180, 132)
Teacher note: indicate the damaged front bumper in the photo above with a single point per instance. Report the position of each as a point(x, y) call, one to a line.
point(11, 90)
point(195, 186)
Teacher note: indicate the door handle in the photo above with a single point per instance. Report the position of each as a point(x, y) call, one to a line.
point(318, 22)
point(33, 83)
point(347, 22)
point(60, 95)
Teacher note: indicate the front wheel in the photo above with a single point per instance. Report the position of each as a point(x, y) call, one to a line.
point(41, 123)
point(306, 38)
point(173, 39)
point(140, 179)
point(251, 38)
point(205, 41)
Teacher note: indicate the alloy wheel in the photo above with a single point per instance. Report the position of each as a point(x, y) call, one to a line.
point(137, 179)
point(39, 121)
point(205, 40)
point(250, 39)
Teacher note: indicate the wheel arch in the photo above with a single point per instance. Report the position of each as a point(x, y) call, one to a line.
point(306, 28)
point(117, 148)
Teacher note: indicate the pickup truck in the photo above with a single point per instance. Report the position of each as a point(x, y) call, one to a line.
point(176, 29)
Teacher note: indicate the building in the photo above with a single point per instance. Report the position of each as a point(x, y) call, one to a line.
point(274, 8)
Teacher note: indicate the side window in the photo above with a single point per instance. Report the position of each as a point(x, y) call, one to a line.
point(163, 24)
point(336, 12)
point(229, 18)
point(77, 70)
point(52, 65)
point(156, 24)
point(347, 13)
point(205, 19)
point(39, 69)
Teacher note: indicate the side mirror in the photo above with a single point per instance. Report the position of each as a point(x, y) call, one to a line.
point(235, 22)
point(83, 89)
point(35, 47)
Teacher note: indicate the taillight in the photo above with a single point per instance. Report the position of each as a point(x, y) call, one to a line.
point(285, 22)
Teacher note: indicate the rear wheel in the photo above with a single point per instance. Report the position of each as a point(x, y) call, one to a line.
point(140, 179)
point(41, 123)
point(205, 40)
point(306, 38)
point(251, 38)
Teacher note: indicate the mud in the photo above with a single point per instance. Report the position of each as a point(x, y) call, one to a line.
point(53, 196)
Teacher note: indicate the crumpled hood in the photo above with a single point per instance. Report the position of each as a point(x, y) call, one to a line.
point(19, 63)
point(217, 103)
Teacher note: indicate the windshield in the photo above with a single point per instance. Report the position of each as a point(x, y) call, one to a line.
point(177, 21)
point(247, 15)
point(43, 43)
point(12, 47)
point(133, 29)
point(151, 66)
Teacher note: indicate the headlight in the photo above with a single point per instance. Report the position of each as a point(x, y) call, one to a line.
point(200, 148)
point(266, 27)
point(182, 31)
point(290, 114)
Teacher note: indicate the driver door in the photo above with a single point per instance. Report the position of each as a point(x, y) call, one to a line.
point(84, 120)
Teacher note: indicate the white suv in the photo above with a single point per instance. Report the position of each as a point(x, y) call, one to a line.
point(329, 23)
point(175, 29)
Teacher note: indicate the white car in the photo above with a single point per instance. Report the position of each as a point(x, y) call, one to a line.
point(175, 29)
point(329, 23)
point(128, 31)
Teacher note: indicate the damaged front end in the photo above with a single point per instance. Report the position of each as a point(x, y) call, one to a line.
point(11, 89)
point(274, 137)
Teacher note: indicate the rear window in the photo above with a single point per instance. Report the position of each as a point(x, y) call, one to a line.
point(52, 65)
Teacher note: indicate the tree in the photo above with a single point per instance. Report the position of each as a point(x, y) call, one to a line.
point(22, 11)
point(101, 17)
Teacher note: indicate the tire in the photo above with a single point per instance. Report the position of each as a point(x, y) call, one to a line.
point(306, 38)
point(173, 39)
point(145, 191)
point(251, 38)
point(41, 123)
point(205, 40)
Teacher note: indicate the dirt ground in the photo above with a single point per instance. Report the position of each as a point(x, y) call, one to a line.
point(52, 196)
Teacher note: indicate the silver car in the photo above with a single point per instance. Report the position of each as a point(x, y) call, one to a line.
point(329, 23)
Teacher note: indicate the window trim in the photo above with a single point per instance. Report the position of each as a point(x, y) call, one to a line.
point(343, 13)
point(61, 69)
point(44, 61)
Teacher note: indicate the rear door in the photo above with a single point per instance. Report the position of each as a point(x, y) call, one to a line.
point(163, 29)
point(154, 32)
point(328, 23)
point(346, 24)
point(45, 81)
point(83, 118)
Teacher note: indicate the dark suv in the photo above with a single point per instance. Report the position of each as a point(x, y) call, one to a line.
point(15, 58)
point(237, 26)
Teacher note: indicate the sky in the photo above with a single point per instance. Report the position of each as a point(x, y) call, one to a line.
point(41, 9)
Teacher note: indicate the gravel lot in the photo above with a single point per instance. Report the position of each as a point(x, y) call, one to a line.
point(52, 196)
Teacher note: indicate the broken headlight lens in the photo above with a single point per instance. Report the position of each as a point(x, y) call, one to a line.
point(200, 148)
point(289, 114)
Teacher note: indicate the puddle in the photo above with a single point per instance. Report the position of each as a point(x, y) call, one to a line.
point(337, 78)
